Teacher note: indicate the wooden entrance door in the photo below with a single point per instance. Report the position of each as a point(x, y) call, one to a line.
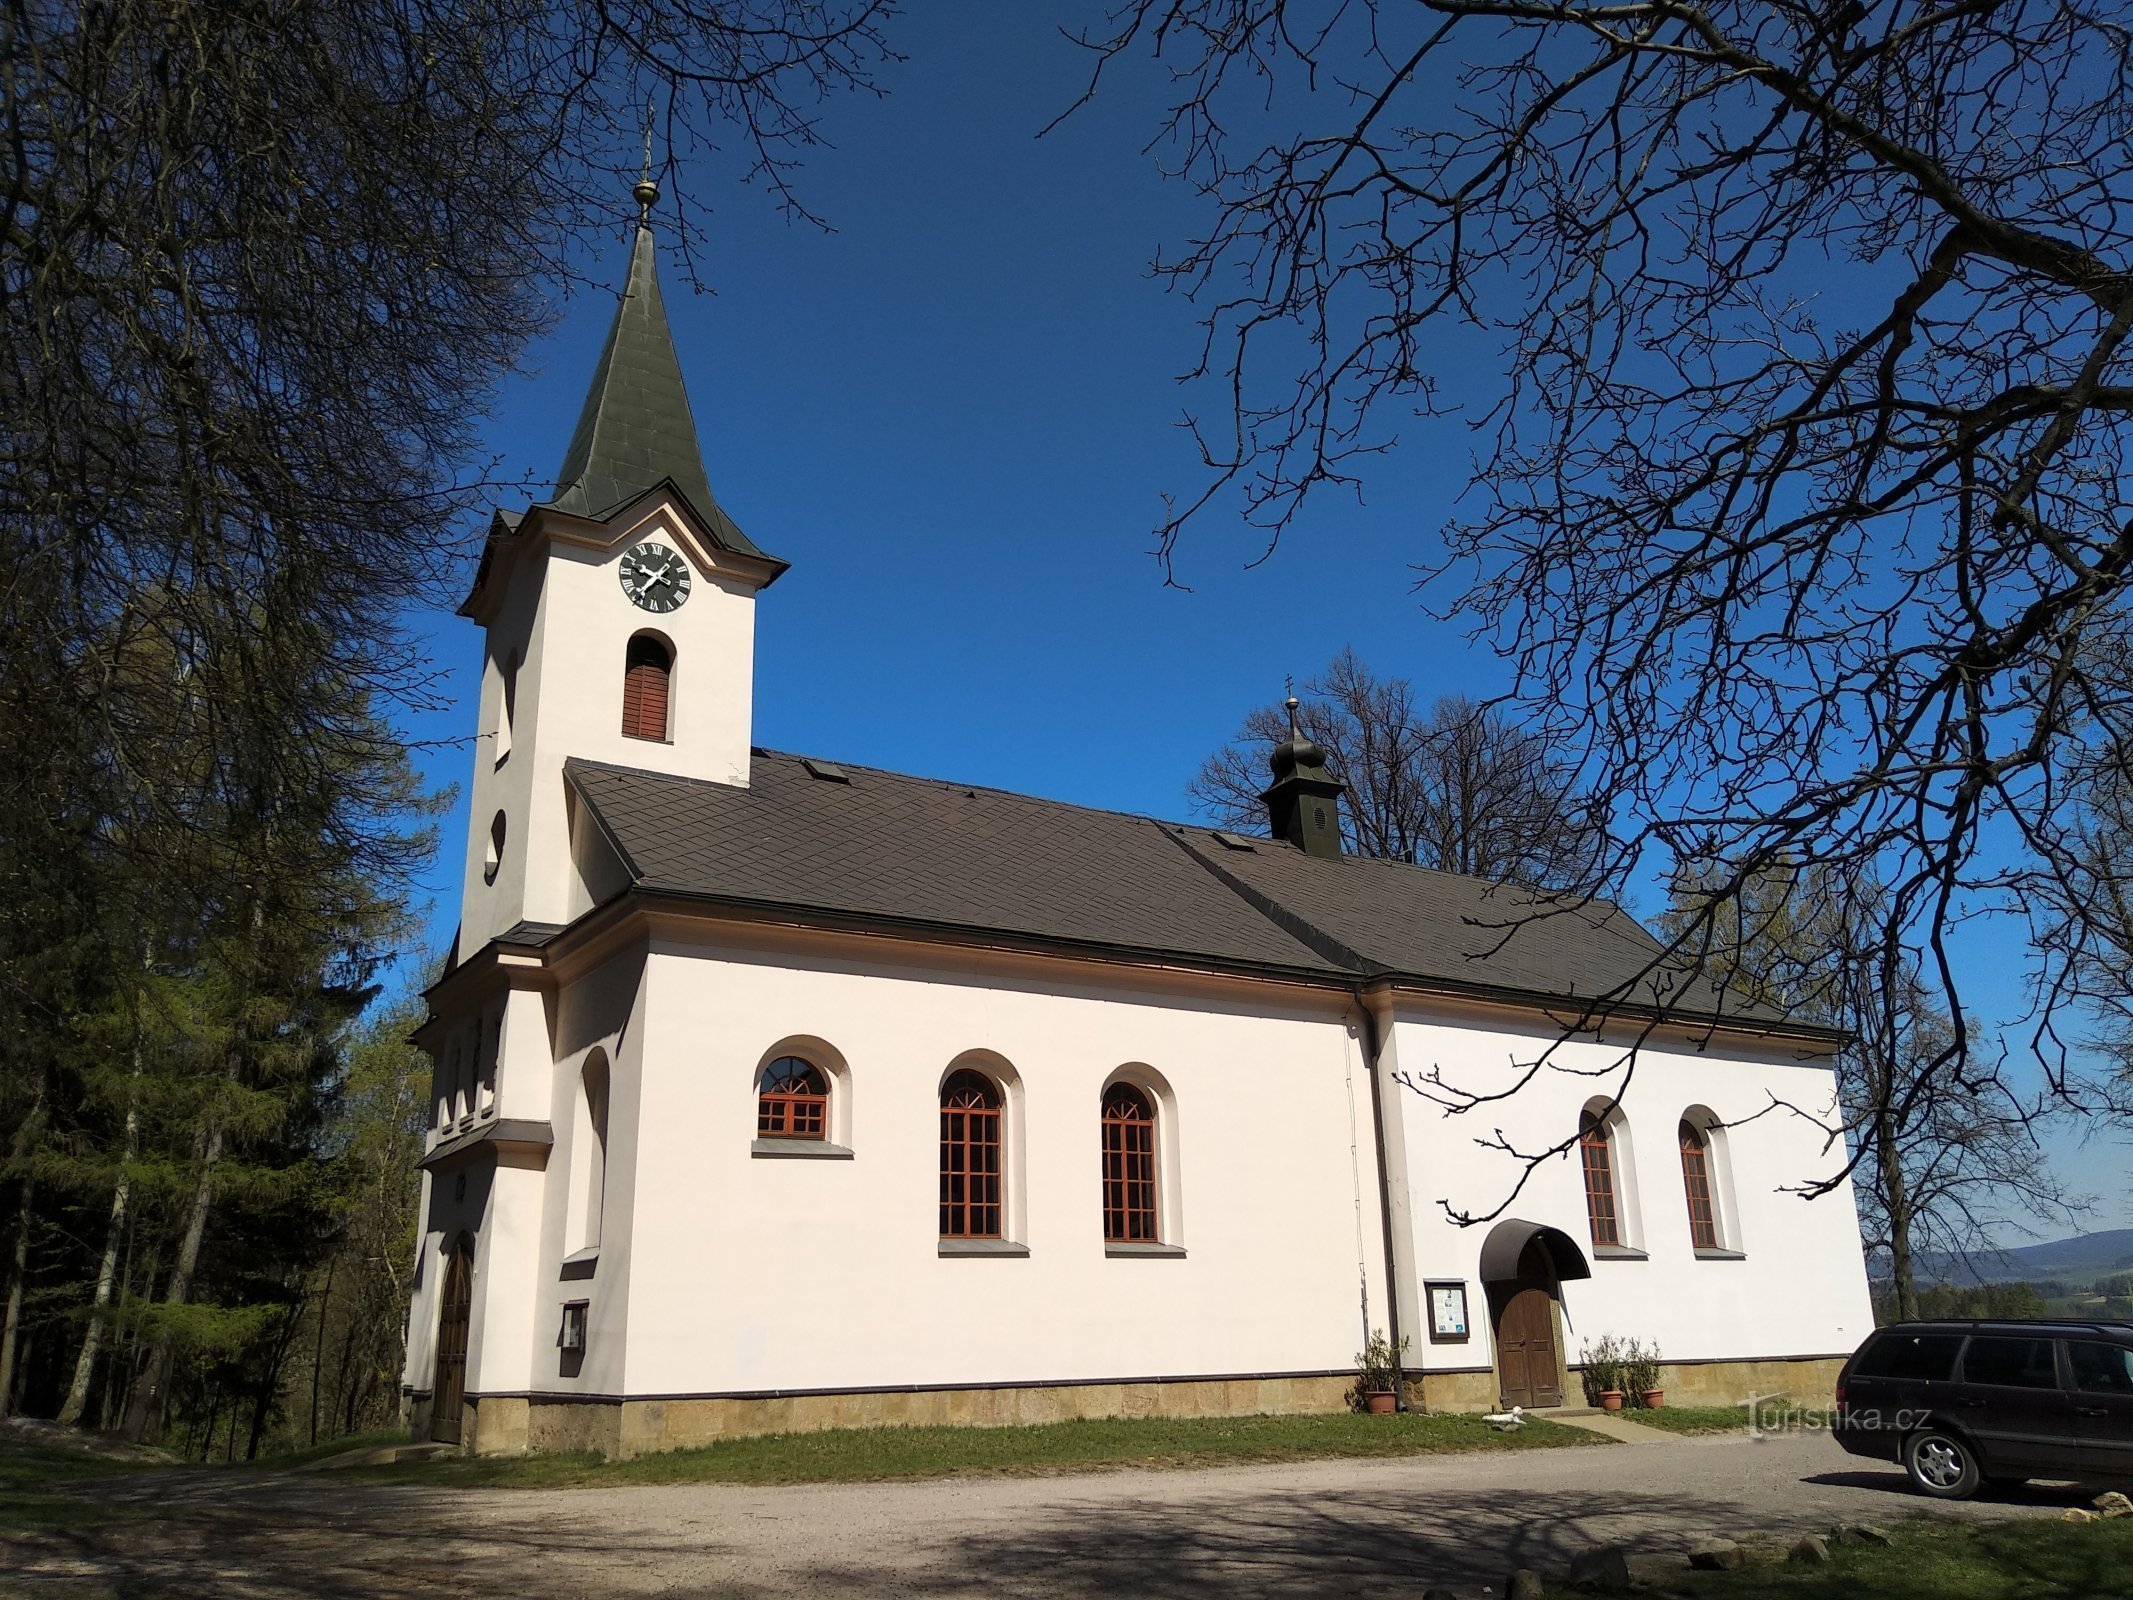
point(448, 1393)
point(1527, 1361)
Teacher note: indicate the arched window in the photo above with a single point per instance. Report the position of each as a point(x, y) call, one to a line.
point(794, 1102)
point(644, 688)
point(1596, 1151)
point(1129, 1166)
point(510, 707)
point(970, 1157)
point(591, 1158)
point(1703, 1176)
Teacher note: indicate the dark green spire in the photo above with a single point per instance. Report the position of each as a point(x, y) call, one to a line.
point(1303, 805)
point(636, 429)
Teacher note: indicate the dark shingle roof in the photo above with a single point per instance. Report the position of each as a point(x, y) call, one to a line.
point(921, 853)
point(918, 851)
point(1392, 917)
point(636, 430)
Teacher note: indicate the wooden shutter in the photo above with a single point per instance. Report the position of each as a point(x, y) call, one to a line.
point(644, 690)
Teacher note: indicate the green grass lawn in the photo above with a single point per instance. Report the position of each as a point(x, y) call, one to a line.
point(325, 1448)
point(863, 1454)
point(1716, 1419)
point(36, 1480)
point(1937, 1559)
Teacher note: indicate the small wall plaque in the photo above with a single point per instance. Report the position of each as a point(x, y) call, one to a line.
point(1447, 1312)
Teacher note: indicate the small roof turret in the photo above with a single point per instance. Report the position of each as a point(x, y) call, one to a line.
point(1303, 802)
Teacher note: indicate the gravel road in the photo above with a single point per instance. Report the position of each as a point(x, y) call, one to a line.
point(1351, 1529)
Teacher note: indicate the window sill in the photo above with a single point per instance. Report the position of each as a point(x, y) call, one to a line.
point(1135, 1247)
point(581, 1263)
point(1617, 1252)
point(982, 1247)
point(1721, 1255)
point(799, 1150)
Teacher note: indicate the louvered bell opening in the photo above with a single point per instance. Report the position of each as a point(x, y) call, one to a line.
point(644, 689)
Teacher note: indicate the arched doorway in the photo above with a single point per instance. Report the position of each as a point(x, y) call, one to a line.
point(1522, 1268)
point(455, 1311)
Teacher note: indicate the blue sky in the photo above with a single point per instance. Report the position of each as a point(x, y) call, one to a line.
point(956, 416)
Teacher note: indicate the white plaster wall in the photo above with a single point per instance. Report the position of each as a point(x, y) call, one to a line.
point(562, 607)
point(600, 1011)
point(753, 1274)
point(1801, 1289)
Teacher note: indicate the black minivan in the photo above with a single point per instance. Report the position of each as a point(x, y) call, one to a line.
point(1962, 1404)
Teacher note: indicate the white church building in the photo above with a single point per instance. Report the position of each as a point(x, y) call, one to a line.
point(776, 1093)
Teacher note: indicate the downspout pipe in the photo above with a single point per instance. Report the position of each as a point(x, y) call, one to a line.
point(1373, 1044)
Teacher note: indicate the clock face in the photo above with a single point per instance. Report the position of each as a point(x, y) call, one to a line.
point(654, 577)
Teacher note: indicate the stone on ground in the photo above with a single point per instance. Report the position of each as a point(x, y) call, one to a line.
point(1604, 1568)
point(2076, 1514)
point(1524, 1585)
point(2113, 1504)
point(1812, 1550)
point(1719, 1555)
point(1862, 1533)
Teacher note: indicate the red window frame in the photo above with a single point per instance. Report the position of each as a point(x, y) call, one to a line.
point(1130, 1215)
point(1597, 1155)
point(970, 1157)
point(1696, 1178)
point(794, 1103)
point(646, 669)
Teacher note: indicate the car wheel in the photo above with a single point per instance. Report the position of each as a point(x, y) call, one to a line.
point(1942, 1464)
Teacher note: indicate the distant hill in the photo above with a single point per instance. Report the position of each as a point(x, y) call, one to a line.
point(2085, 1256)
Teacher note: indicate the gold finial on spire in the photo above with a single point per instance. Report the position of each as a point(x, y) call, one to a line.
point(646, 192)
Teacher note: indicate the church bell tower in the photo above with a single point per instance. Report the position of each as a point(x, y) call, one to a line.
point(619, 617)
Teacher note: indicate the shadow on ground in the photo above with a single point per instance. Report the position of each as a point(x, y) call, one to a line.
point(244, 1537)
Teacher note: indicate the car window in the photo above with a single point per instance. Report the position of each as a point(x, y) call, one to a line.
point(1922, 1356)
point(2012, 1363)
point(2101, 1368)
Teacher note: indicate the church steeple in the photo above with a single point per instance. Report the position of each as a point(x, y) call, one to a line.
point(636, 429)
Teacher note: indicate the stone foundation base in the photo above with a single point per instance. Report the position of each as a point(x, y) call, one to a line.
point(515, 1424)
point(1729, 1383)
point(512, 1425)
point(1451, 1391)
point(1809, 1381)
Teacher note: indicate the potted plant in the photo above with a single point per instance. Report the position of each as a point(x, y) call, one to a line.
point(1640, 1374)
point(1378, 1368)
point(1601, 1365)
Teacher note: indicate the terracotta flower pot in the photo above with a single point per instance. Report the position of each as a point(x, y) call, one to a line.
point(1378, 1402)
point(1610, 1399)
point(1653, 1399)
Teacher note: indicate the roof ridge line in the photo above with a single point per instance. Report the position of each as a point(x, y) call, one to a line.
point(1300, 928)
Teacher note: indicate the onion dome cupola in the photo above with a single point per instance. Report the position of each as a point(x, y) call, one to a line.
point(1303, 802)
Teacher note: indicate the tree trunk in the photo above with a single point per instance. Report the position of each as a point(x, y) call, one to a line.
point(77, 1401)
point(17, 1275)
point(26, 1138)
point(144, 1411)
point(1896, 1200)
point(270, 1381)
point(318, 1345)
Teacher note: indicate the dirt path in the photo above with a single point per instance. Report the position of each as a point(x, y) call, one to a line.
point(1346, 1529)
